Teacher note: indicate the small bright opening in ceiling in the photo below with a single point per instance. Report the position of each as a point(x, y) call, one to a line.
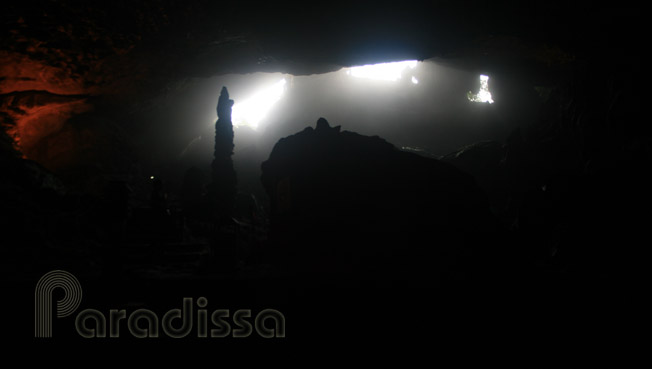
point(483, 96)
point(251, 111)
point(384, 71)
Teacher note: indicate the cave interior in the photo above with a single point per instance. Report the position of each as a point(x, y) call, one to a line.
point(376, 195)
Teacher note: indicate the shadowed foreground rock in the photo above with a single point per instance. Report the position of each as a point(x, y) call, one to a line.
point(352, 206)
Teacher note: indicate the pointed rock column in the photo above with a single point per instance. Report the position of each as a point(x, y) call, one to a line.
point(222, 190)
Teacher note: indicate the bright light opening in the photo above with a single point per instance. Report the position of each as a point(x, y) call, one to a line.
point(383, 71)
point(483, 96)
point(415, 80)
point(251, 111)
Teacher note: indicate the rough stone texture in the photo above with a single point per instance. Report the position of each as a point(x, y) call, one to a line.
point(577, 183)
point(71, 57)
point(70, 71)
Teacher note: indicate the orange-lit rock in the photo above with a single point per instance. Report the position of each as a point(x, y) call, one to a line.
point(21, 73)
point(29, 116)
point(36, 99)
point(45, 120)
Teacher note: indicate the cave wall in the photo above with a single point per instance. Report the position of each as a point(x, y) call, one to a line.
point(102, 61)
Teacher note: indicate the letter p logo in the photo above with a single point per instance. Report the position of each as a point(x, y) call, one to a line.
point(43, 300)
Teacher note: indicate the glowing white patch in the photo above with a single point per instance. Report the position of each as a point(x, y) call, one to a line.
point(383, 71)
point(415, 80)
point(483, 96)
point(249, 112)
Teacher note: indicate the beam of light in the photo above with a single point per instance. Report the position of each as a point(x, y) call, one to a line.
point(188, 147)
point(251, 111)
point(483, 96)
point(384, 71)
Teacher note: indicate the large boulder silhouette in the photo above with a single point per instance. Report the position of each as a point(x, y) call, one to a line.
point(353, 206)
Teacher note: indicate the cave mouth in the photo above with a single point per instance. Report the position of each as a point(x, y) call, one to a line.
point(417, 106)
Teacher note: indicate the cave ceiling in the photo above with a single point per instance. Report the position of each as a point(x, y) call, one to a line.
point(62, 58)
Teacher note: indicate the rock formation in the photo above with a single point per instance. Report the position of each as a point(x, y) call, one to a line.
point(349, 205)
point(222, 189)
